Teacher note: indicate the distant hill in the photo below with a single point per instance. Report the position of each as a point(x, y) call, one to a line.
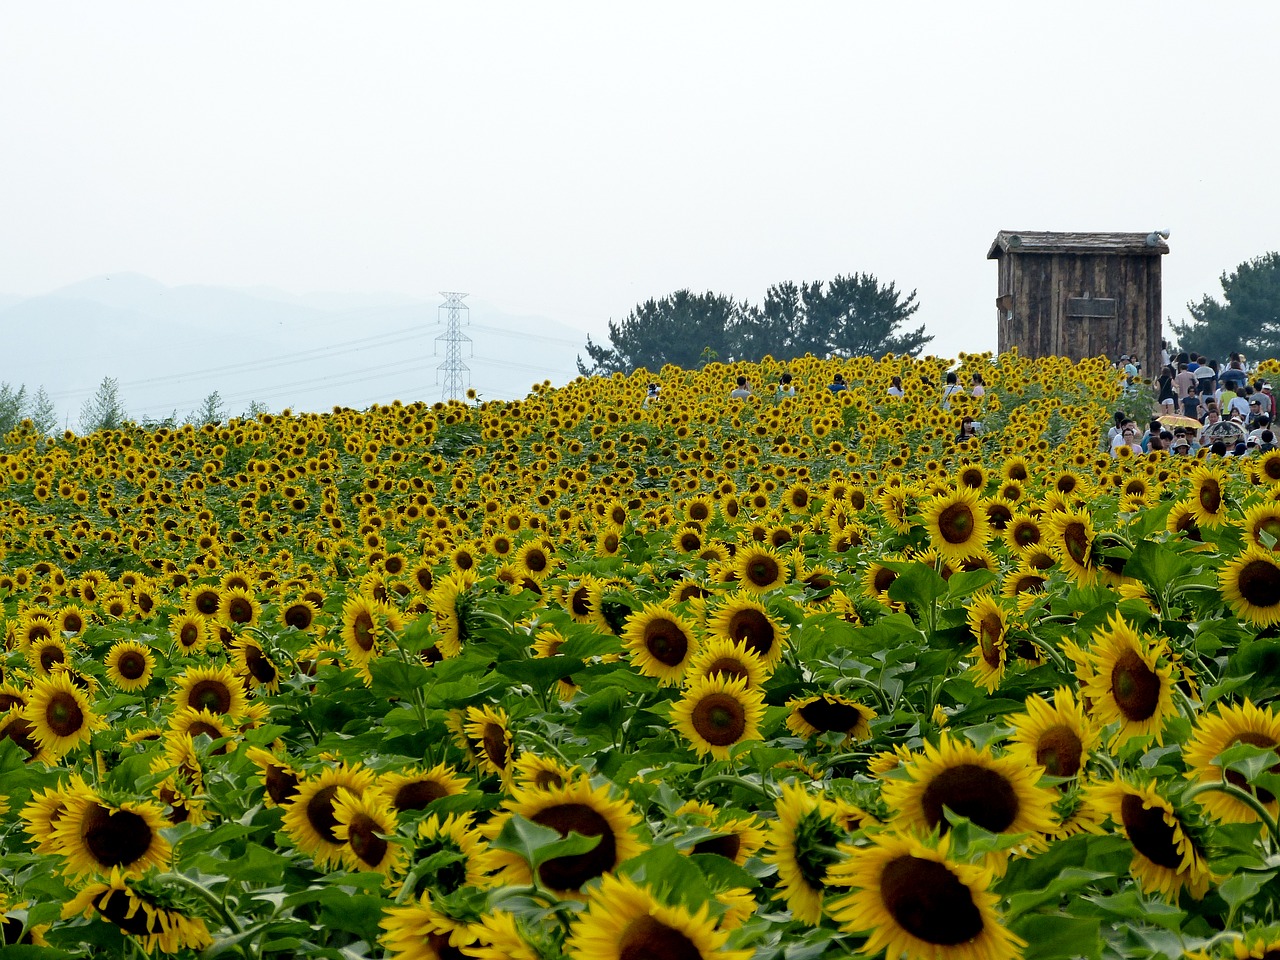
point(170, 347)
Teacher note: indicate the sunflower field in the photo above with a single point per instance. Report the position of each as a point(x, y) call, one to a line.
point(599, 676)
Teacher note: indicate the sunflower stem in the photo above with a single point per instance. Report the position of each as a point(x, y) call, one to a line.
point(208, 896)
point(737, 781)
point(1244, 796)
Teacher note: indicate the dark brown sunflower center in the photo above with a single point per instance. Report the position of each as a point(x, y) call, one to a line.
point(973, 791)
point(363, 839)
point(239, 610)
point(536, 561)
point(416, 794)
point(363, 629)
point(1135, 686)
point(211, 695)
point(131, 665)
point(63, 715)
point(955, 523)
point(990, 633)
point(189, 635)
point(23, 734)
point(1210, 495)
point(818, 581)
point(281, 785)
point(1259, 583)
point(883, 579)
point(495, 744)
point(929, 901)
point(263, 670)
point(547, 780)
point(730, 667)
point(1026, 534)
point(999, 515)
point(1075, 540)
point(72, 622)
point(115, 839)
point(647, 939)
point(438, 944)
point(50, 655)
point(116, 905)
point(1149, 834)
point(831, 715)
point(298, 616)
point(972, 478)
point(207, 602)
point(579, 602)
point(752, 628)
point(699, 511)
point(666, 642)
point(720, 719)
point(726, 846)
point(1059, 751)
point(690, 541)
point(571, 872)
point(320, 813)
point(763, 571)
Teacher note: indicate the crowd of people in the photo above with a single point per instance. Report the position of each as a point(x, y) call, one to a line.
point(1203, 405)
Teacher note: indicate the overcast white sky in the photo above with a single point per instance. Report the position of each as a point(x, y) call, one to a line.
point(569, 160)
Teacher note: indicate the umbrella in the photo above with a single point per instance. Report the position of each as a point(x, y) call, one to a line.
point(1174, 420)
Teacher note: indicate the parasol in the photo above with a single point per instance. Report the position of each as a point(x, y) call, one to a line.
point(1174, 420)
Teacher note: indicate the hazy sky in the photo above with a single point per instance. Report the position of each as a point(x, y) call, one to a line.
point(569, 160)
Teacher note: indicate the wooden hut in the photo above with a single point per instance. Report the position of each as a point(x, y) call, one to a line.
point(1080, 295)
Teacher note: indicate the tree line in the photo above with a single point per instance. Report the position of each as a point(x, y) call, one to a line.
point(852, 315)
point(104, 410)
point(1246, 320)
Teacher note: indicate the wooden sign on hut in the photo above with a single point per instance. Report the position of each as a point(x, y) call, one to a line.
point(1080, 295)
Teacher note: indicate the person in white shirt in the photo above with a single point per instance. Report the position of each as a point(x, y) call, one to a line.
point(741, 391)
point(979, 387)
point(895, 387)
point(785, 387)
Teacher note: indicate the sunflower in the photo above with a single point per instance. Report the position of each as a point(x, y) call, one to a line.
point(1022, 532)
point(533, 772)
point(1131, 681)
point(449, 605)
point(576, 598)
point(96, 837)
point(155, 918)
point(252, 662)
point(213, 688)
point(760, 569)
point(802, 844)
point(624, 921)
point(578, 808)
point(1166, 859)
point(1208, 496)
point(45, 810)
point(46, 653)
point(500, 936)
point(913, 901)
point(60, 715)
point(237, 607)
point(957, 523)
point(1251, 585)
point(1057, 737)
point(998, 793)
point(488, 729)
point(829, 713)
point(299, 614)
point(1070, 537)
point(989, 626)
point(188, 632)
point(279, 778)
point(458, 849)
point(365, 622)
point(1214, 733)
point(420, 931)
point(215, 726)
point(717, 713)
point(72, 619)
point(129, 665)
point(744, 620)
point(736, 838)
point(309, 819)
point(877, 580)
point(363, 822)
point(728, 658)
point(661, 643)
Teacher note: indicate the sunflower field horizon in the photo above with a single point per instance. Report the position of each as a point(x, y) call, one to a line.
point(605, 675)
